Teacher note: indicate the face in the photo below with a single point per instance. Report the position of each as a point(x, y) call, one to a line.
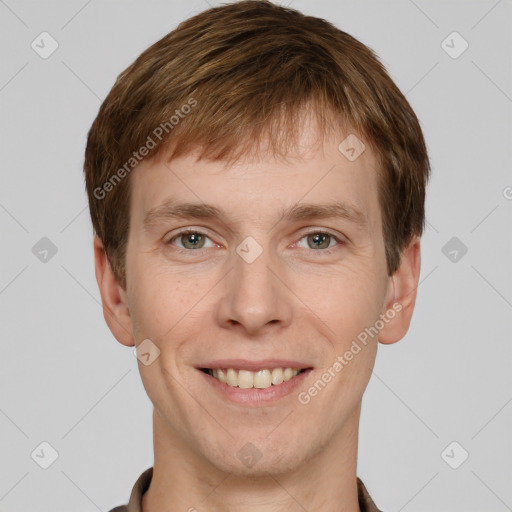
point(251, 273)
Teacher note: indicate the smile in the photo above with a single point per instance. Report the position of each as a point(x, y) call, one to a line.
point(247, 379)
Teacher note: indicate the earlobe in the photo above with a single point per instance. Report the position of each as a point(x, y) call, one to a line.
point(401, 296)
point(114, 300)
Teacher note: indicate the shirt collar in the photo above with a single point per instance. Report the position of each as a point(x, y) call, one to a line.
point(366, 503)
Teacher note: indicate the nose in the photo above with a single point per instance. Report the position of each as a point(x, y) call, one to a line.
point(253, 296)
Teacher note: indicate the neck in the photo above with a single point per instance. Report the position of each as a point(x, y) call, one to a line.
point(183, 481)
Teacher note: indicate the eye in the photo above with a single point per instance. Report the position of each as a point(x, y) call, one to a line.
point(190, 239)
point(319, 240)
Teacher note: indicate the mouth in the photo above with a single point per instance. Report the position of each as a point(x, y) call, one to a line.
point(263, 378)
point(254, 383)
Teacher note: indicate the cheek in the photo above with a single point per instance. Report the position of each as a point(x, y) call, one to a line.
point(158, 300)
point(347, 299)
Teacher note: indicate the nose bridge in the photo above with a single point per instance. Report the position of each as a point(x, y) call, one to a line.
point(253, 295)
point(252, 267)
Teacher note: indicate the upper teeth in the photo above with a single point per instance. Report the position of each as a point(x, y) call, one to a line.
point(260, 379)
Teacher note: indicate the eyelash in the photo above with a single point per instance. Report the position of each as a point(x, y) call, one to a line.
point(339, 241)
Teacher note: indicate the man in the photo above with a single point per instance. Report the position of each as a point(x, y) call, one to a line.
point(256, 184)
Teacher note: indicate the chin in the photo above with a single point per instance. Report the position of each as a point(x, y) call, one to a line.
point(258, 458)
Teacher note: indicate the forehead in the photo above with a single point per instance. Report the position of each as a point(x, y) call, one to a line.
point(338, 168)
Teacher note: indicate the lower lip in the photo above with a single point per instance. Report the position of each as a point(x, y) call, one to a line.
point(256, 396)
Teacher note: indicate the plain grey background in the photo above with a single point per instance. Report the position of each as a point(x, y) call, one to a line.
point(66, 381)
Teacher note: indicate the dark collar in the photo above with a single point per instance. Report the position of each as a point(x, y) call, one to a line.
point(366, 503)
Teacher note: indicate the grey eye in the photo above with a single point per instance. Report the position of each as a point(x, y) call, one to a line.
point(318, 240)
point(192, 240)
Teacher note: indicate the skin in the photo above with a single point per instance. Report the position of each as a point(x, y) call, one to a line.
point(294, 301)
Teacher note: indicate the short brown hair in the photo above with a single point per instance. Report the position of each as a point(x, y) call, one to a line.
point(247, 69)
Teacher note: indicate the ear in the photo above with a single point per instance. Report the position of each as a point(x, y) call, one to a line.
point(401, 295)
point(113, 297)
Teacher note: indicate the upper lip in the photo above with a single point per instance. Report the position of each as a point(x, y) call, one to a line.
point(245, 364)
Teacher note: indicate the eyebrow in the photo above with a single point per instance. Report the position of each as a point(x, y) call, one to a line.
point(171, 210)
